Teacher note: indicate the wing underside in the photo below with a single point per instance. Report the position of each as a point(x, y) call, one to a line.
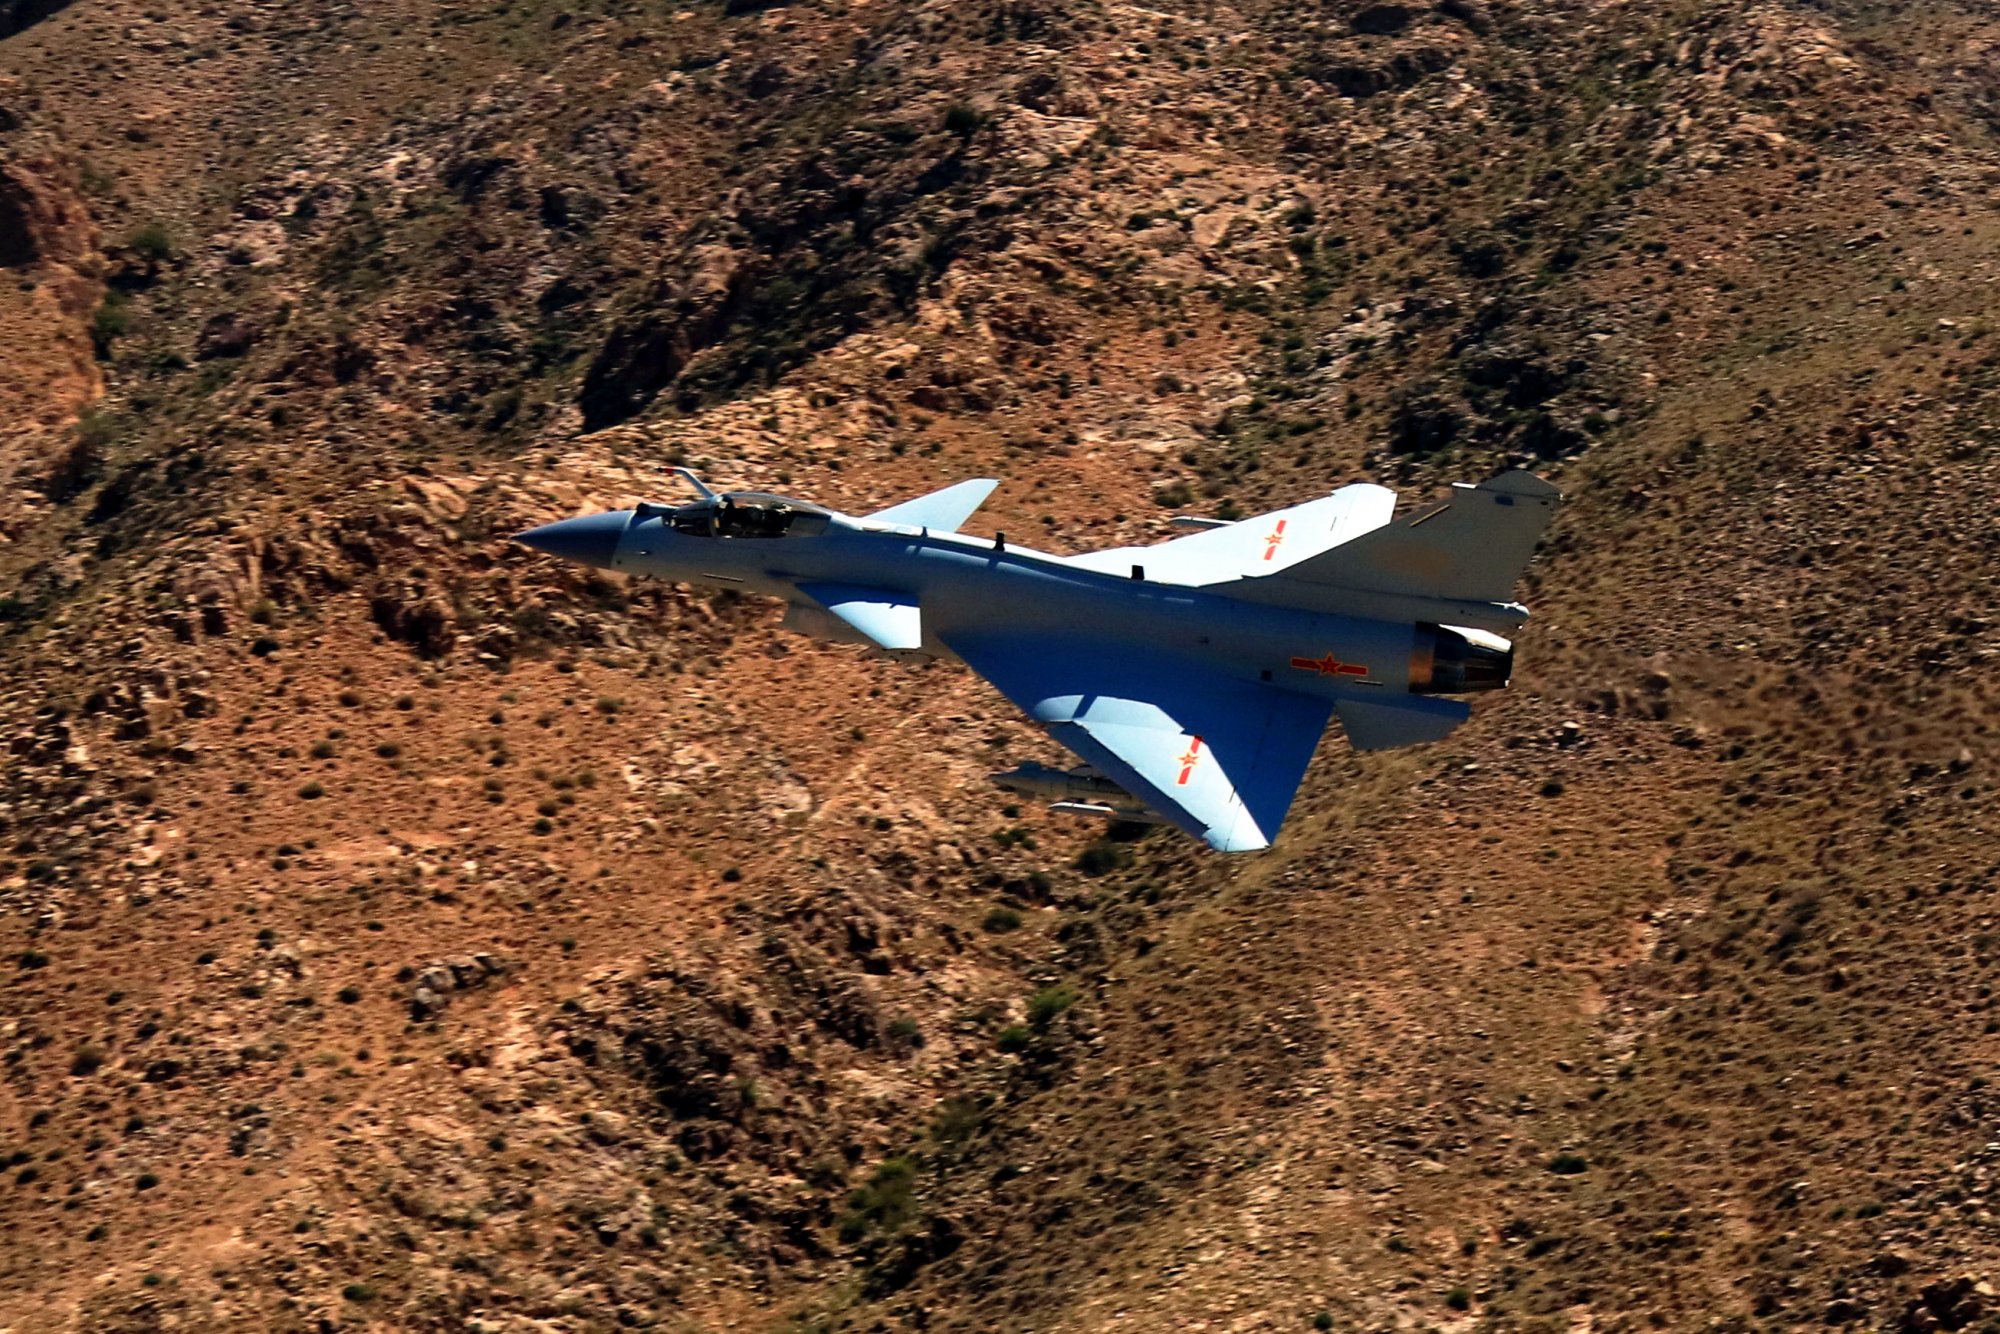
point(889, 621)
point(1217, 757)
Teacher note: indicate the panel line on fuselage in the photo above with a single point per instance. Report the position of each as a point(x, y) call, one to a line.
point(969, 584)
point(1251, 642)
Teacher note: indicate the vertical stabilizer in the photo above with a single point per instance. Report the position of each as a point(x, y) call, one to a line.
point(1471, 547)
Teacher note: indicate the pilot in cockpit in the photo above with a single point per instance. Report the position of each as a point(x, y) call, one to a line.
point(747, 516)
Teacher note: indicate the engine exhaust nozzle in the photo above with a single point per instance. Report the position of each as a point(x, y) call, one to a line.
point(1450, 660)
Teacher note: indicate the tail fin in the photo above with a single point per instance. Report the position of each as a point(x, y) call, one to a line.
point(1470, 548)
point(1264, 544)
point(943, 510)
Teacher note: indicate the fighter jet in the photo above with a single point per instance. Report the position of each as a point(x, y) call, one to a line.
point(1193, 677)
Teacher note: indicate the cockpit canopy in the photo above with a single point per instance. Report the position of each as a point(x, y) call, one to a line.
point(746, 514)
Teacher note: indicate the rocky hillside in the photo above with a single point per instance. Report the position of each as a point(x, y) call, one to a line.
point(398, 929)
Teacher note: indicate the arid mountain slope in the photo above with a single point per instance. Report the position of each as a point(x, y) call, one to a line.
point(402, 930)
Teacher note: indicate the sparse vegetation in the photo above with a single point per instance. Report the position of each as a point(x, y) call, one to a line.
point(1045, 1005)
point(1706, 883)
point(152, 242)
point(1001, 919)
point(111, 322)
point(962, 120)
point(1103, 857)
point(885, 1203)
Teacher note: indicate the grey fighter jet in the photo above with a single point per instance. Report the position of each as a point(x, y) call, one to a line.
point(1193, 677)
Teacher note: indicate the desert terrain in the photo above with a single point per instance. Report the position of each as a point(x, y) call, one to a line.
point(402, 930)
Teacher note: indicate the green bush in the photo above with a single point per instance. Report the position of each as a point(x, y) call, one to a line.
point(962, 120)
point(1001, 920)
point(1046, 1004)
point(885, 1203)
point(97, 430)
point(958, 1119)
point(1014, 1038)
point(153, 242)
point(1103, 857)
point(112, 321)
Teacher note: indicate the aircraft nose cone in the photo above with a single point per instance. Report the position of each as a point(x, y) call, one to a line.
point(590, 540)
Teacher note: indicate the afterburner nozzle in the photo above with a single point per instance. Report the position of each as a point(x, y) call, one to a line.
point(1455, 660)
